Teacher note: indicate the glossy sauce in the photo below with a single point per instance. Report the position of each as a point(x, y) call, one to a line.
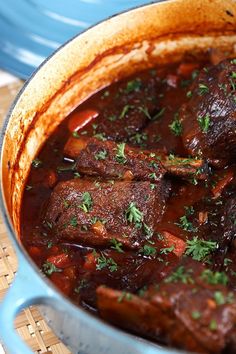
point(76, 273)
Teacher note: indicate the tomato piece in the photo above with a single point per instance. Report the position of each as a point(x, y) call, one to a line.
point(90, 261)
point(60, 260)
point(62, 282)
point(186, 69)
point(178, 243)
point(79, 119)
point(35, 251)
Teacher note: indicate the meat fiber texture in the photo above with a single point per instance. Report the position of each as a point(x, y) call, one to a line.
point(209, 117)
point(108, 214)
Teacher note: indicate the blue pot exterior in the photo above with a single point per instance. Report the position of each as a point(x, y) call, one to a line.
point(32, 29)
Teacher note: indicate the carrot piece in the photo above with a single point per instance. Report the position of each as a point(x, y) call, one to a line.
point(172, 240)
point(62, 282)
point(90, 261)
point(60, 260)
point(99, 228)
point(223, 182)
point(35, 251)
point(79, 119)
point(74, 146)
point(202, 217)
point(185, 69)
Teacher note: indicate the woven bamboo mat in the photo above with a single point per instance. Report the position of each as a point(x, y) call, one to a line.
point(29, 324)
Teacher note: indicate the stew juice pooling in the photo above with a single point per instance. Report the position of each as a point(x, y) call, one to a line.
point(130, 210)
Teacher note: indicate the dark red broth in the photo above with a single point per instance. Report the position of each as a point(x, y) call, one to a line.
point(141, 111)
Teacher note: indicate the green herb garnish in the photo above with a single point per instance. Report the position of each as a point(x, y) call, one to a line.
point(104, 262)
point(180, 275)
point(200, 249)
point(124, 296)
point(204, 123)
point(202, 89)
point(101, 155)
point(214, 278)
point(176, 126)
point(116, 245)
point(49, 268)
point(133, 86)
point(133, 214)
point(86, 204)
point(120, 153)
point(148, 250)
point(36, 163)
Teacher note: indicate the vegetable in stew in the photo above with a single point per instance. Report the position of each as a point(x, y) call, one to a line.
point(130, 207)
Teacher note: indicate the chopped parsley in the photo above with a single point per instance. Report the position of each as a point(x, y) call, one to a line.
point(133, 86)
point(204, 123)
point(120, 153)
point(176, 126)
point(36, 163)
point(101, 155)
point(87, 203)
point(104, 262)
point(139, 138)
point(124, 296)
point(196, 315)
point(148, 250)
point(83, 284)
point(73, 221)
point(159, 114)
point(202, 89)
point(147, 230)
point(49, 268)
point(167, 250)
point(100, 136)
point(189, 94)
point(213, 325)
point(145, 112)
point(214, 278)
point(77, 175)
point(153, 176)
point(219, 298)
point(125, 110)
point(185, 224)
point(116, 245)
point(133, 214)
point(28, 187)
point(180, 275)
point(200, 249)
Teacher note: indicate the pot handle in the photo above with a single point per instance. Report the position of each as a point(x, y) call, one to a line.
point(25, 290)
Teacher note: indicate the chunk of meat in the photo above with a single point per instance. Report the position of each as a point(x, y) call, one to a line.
point(131, 272)
point(129, 110)
point(129, 211)
point(104, 158)
point(209, 117)
point(186, 311)
point(111, 160)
